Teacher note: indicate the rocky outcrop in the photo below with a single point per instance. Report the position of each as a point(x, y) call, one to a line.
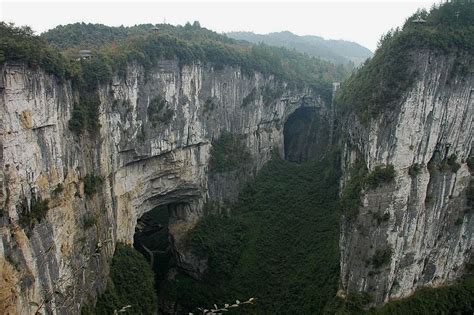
point(56, 258)
point(421, 222)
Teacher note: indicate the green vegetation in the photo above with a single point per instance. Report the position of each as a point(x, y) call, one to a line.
point(117, 46)
point(85, 114)
point(351, 195)
point(159, 111)
point(415, 170)
point(454, 166)
point(19, 44)
point(280, 245)
point(470, 195)
point(380, 175)
point(454, 299)
point(269, 95)
point(360, 179)
point(379, 85)
point(209, 105)
point(37, 211)
point(92, 183)
point(470, 163)
point(250, 98)
point(59, 189)
point(337, 51)
point(381, 257)
point(228, 153)
point(130, 283)
point(88, 221)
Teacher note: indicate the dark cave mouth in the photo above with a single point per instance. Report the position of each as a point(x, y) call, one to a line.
point(152, 240)
point(306, 134)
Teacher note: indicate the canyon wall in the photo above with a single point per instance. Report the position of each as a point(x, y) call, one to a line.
point(54, 258)
point(418, 229)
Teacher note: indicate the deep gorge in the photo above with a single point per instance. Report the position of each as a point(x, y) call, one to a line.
point(177, 170)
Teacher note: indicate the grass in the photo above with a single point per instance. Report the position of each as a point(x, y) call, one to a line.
point(280, 245)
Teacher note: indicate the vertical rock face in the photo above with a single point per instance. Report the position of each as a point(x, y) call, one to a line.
point(58, 259)
point(422, 221)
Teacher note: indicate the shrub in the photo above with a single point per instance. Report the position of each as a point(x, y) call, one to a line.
point(453, 299)
point(351, 195)
point(415, 170)
point(250, 98)
point(470, 163)
point(381, 257)
point(381, 218)
point(380, 175)
point(280, 244)
point(159, 111)
point(271, 94)
point(209, 106)
point(131, 282)
point(470, 195)
point(85, 114)
point(38, 210)
point(59, 189)
point(89, 221)
point(453, 164)
point(228, 153)
point(378, 86)
point(92, 183)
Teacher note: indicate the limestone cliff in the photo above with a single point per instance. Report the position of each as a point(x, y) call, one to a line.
point(58, 261)
point(422, 220)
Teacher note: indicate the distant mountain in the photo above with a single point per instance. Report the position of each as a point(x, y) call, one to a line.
point(337, 51)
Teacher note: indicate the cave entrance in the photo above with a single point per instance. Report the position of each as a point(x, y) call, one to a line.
point(152, 240)
point(306, 134)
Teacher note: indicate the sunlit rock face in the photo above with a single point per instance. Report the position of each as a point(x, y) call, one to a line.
point(423, 216)
point(59, 260)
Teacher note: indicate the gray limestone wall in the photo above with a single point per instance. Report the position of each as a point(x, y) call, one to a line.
point(57, 262)
point(427, 222)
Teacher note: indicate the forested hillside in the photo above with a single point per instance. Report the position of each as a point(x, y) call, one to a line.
point(380, 83)
point(336, 51)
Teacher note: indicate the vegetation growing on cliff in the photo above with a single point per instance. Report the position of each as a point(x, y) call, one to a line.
point(380, 84)
point(92, 183)
point(228, 153)
point(19, 44)
point(131, 282)
point(360, 179)
point(380, 175)
point(280, 245)
point(115, 47)
point(159, 111)
point(35, 213)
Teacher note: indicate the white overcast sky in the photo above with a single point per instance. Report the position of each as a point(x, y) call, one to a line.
point(360, 21)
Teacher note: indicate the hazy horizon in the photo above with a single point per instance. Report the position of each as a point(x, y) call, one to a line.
point(362, 22)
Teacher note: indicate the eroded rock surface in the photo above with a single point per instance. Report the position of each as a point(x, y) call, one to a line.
point(59, 260)
point(423, 216)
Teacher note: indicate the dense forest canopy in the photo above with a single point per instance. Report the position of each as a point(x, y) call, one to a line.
point(114, 47)
point(379, 84)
